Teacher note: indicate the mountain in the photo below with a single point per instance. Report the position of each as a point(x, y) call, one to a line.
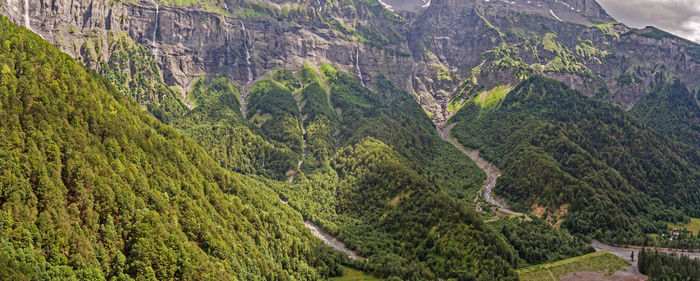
point(568, 157)
point(95, 188)
point(442, 53)
point(401, 133)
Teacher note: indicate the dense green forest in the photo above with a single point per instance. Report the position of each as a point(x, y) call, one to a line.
point(672, 111)
point(667, 267)
point(381, 193)
point(406, 226)
point(358, 186)
point(216, 123)
point(536, 242)
point(392, 116)
point(117, 177)
point(600, 171)
point(95, 188)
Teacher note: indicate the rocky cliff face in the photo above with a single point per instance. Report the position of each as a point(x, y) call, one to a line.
point(444, 51)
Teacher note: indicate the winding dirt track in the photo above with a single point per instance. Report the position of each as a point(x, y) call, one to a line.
point(492, 172)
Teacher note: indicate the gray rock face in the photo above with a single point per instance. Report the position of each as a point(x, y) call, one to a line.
point(442, 52)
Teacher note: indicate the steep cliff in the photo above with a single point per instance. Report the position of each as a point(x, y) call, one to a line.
point(443, 51)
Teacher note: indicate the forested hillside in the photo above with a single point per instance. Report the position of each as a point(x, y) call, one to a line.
point(217, 124)
point(661, 266)
point(92, 187)
point(366, 177)
point(583, 164)
point(119, 176)
point(672, 111)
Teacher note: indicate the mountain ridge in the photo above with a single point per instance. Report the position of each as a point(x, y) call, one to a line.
point(341, 110)
point(412, 50)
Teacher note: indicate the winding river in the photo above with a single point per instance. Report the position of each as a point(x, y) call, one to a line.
point(327, 238)
point(492, 172)
point(330, 240)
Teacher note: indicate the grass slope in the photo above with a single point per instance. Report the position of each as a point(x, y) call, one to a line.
point(692, 226)
point(599, 262)
point(351, 274)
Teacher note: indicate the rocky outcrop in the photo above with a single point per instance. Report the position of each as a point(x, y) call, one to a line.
point(431, 52)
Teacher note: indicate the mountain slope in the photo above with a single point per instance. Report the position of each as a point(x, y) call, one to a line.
point(672, 111)
point(216, 123)
point(443, 53)
point(588, 165)
point(92, 187)
point(368, 182)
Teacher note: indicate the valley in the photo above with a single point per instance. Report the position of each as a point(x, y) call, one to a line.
point(626, 252)
point(492, 173)
point(330, 240)
point(345, 140)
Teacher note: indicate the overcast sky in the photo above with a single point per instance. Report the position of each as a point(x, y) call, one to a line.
point(680, 17)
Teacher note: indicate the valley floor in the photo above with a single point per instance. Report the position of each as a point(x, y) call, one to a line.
point(492, 173)
point(594, 265)
point(626, 252)
point(330, 240)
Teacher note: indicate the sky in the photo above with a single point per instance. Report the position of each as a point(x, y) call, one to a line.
point(680, 17)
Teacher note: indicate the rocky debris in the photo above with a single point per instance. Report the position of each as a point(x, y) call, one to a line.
point(330, 240)
point(491, 171)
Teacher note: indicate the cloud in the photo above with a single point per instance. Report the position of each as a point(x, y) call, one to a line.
point(680, 17)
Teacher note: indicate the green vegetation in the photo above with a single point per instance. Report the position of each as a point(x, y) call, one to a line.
point(375, 193)
point(588, 51)
point(490, 26)
point(504, 58)
point(564, 61)
point(693, 226)
point(653, 32)
point(217, 124)
point(592, 166)
point(269, 97)
point(670, 109)
point(455, 105)
point(492, 98)
point(133, 70)
point(537, 242)
point(398, 121)
point(667, 267)
point(272, 104)
point(607, 29)
point(94, 188)
point(599, 262)
point(360, 144)
point(406, 220)
point(350, 274)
